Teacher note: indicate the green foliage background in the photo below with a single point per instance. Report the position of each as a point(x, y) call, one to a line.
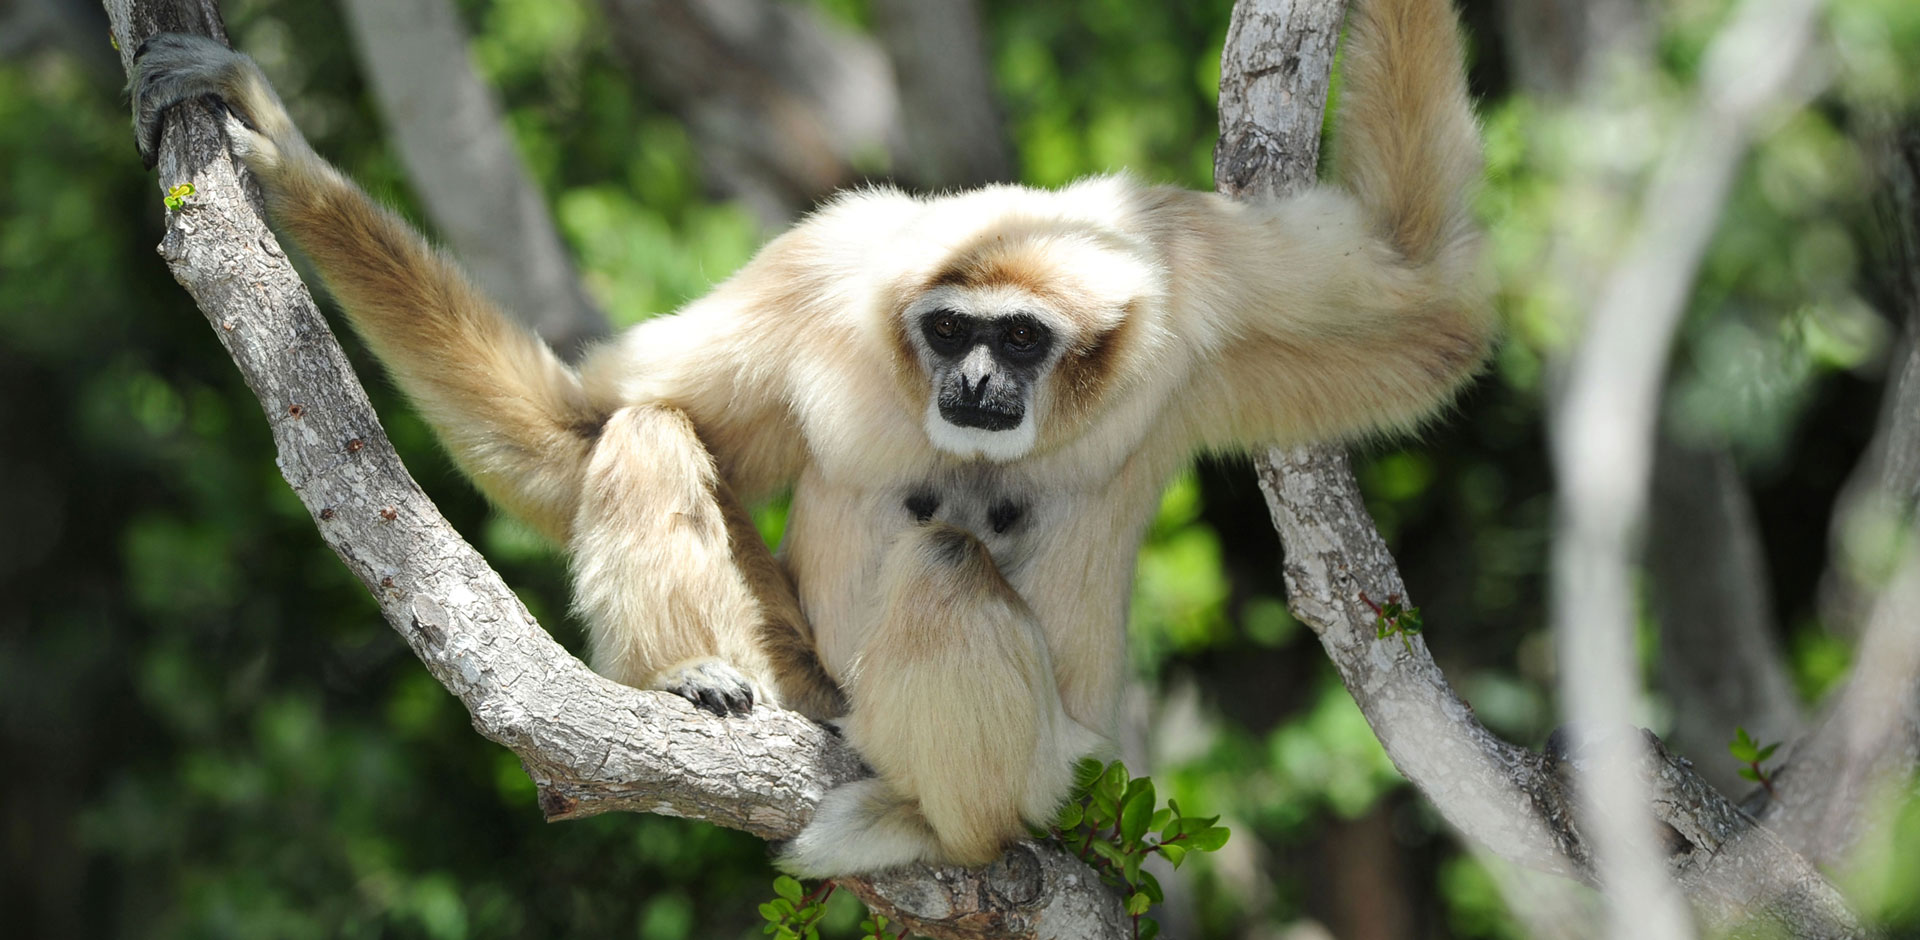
point(210, 732)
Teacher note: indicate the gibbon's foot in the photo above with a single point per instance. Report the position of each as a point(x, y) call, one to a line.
point(708, 683)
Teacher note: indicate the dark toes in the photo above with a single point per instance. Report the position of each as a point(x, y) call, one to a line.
point(710, 699)
point(715, 687)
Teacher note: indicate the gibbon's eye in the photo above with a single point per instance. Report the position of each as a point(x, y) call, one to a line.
point(1021, 337)
point(946, 326)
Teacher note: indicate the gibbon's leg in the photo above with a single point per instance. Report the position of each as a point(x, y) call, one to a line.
point(952, 700)
point(677, 588)
point(512, 414)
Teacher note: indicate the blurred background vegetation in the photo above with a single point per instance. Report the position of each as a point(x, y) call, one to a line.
point(209, 732)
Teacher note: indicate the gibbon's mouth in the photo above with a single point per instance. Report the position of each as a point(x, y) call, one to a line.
point(981, 417)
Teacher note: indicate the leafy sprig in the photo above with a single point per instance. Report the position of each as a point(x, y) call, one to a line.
point(1114, 822)
point(1395, 619)
point(1748, 751)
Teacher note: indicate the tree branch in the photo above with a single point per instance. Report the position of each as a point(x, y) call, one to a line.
point(1516, 803)
point(591, 745)
point(1869, 738)
point(1720, 659)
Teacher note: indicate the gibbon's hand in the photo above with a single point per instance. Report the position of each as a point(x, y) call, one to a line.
point(171, 68)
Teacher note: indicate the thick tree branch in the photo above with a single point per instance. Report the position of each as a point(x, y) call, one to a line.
point(1604, 430)
point(447, 127)
point(590, 744)
point(1720, 659)
point(1869, 738)
point(1515, 802)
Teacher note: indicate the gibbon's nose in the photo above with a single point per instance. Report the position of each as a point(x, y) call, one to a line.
point(975, 372)
point(973, 393)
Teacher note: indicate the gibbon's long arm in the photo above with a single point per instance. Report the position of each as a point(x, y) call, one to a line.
point(511, 412)
point(1353, 308)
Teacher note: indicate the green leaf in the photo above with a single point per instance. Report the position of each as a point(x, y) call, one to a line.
point(1086, 773)
point(1748, 773)
point(1209, 839)
point(788, 887)
point(1151, 886)
point(1138, 903)
point(769, 912)
point(1765, 753)
point(1175, 853)
point(1137, 813)
point(1070, 816)
point(1149, 928)
point(1101, 811)
point(1110, 852)
point(1130, 870)
point(1160, 819)
point(1113, 783)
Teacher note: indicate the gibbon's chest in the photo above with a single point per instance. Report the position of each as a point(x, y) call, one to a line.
point(838, 533)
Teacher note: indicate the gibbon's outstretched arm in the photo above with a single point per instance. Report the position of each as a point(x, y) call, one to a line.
point(1349, 308)
point(511, 412)
point(679, 592)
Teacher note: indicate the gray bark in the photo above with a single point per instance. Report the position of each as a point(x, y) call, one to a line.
point(1720, 660)
point(1604, 423)
point(447, 126)
point(1867, 743)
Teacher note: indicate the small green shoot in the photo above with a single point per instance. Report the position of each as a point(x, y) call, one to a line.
point(177, 197)
point(1394, 619)
point(1748, 751)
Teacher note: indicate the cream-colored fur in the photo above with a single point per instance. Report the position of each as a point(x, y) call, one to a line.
point(966, 590)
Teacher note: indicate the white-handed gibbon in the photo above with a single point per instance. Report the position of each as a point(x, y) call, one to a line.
point(976, 399)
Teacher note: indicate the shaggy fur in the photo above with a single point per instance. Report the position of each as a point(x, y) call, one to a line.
point(965, 589)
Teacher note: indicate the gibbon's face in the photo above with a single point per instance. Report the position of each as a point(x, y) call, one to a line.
point(986, 368)
point(1021, 337)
